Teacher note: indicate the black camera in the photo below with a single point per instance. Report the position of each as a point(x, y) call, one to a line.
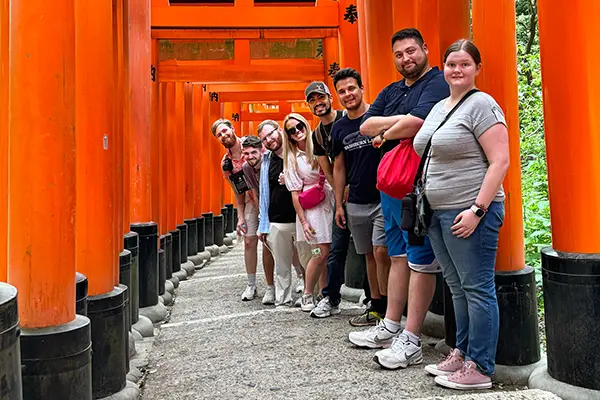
point(409, 220)
point(227, 165)
point(238, 181)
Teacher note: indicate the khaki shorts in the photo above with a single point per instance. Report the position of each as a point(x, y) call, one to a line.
point(251, 216)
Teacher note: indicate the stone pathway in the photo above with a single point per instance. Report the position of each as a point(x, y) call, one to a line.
point(217, 347)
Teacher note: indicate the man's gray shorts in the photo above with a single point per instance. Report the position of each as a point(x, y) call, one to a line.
point(365, 222)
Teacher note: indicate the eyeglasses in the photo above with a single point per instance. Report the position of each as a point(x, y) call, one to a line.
point(295, 129)
point(268, 135)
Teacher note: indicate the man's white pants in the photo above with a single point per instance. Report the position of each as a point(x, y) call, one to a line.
point(281, 240)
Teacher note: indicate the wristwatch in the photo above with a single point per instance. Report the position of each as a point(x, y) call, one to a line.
point(478, 210)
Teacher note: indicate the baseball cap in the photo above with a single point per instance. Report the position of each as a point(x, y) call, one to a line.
point(316, 87)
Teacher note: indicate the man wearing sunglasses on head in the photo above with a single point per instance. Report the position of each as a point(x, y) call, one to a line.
point(247, 206)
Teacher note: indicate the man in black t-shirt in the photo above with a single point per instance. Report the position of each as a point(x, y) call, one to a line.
point(277, 216)
point(319, 101)
point(356, 162)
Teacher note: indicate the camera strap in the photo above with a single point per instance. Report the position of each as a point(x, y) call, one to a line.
point(426, 155)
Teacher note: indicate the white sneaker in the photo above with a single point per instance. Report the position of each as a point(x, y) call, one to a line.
point(307, 302)
point(249, 293)
point(269, 297)
point(401, 354)
point(375, 337)
point(300, 286)
point(324, 309)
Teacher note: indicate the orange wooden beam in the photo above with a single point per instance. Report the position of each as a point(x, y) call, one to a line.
point(494, 31)
point(4, 30)
point(140, 97)
point(118, 118)
point(171, 159)
point(163, 149)
point(207, 139)
point(277, 116)
point(348, 35)
point(178, 162)
point(362, 46)
point(229, 72)
point(292, 33)
point(95, 255)
point(126, 115)
point(155, 130)
point(190, 154)
point(427, 19)
point(217, 151)
point(379, 31)
point(331, 57)
point(245, 17)
point(198, 148)
point(257, 87)
point(261, 96)
point(41, 227)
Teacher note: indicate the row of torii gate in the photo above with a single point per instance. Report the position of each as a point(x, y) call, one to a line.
point(103, 131)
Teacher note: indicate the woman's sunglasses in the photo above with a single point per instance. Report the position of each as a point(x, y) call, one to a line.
point(294, 129)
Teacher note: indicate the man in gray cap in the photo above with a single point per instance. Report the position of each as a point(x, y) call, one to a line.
point(319, 101)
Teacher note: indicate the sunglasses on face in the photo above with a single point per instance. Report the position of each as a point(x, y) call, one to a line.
point(295, 129)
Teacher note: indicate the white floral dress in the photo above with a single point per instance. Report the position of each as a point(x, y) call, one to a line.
point(320, 217)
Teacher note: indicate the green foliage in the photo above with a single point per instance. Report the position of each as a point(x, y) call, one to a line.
point(536, 207)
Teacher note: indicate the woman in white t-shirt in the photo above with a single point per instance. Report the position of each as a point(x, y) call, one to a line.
point(313, 225)
point(463, 176)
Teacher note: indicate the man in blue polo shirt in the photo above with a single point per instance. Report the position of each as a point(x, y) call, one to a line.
point(397, 114)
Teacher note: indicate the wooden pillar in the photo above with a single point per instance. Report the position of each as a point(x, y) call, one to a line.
point(427, 22)
point(190, 154)
point(362, 46)
point(331, 59)
point(571, 267)
point(94, 88)
point(140, 102)
point(217, 151)
point(348, 35)
point(455, 23)
point(207, 140)
point(573, 154)
point(155, 116)
point(118, 121)
point(405, 16)
point(4, 30)
point(379, 31)
point(199, 155)
point(177, 162)
point(494, 32)
point(163, 224)
point(171, 156)
point(127, 140)
point(41, 255)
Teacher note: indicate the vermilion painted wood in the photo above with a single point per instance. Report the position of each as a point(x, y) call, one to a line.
point(41, 227)
point(4, 30)
point(494, 31)
point(140, 103)
point(94, 88)
point(198, 157)
point(189, 187)
point(571, 122)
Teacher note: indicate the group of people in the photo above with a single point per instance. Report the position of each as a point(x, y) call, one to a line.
point(304, 193)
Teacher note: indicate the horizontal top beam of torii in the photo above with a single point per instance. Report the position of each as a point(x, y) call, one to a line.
point(245, 14)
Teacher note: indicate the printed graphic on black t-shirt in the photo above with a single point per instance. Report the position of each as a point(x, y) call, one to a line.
point(360, 158)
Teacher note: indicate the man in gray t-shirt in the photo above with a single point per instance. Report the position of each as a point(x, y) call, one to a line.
point(457, 165)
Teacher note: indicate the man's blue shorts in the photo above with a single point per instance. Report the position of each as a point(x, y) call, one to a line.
point(420, 258)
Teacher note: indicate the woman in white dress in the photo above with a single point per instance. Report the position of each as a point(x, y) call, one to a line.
point(313, 225)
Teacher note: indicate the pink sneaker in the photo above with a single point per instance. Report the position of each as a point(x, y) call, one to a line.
point(453, 362)
point(467, 378)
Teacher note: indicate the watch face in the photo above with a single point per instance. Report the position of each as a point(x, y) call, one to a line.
point(479, 212)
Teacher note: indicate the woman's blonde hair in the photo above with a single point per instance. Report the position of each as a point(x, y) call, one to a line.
point(290, 146)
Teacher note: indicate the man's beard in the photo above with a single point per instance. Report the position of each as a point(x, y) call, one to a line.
point(416, 72)
point(228, 145)
point(327, 111)
point(276, 147)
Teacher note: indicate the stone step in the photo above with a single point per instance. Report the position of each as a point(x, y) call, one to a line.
point(516, 395)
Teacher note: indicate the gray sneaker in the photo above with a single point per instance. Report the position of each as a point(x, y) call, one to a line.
point(325, 309)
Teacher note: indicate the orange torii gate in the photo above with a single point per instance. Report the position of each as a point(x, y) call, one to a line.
point(149, 140)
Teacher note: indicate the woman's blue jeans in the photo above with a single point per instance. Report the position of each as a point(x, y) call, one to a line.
point(468, 267)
